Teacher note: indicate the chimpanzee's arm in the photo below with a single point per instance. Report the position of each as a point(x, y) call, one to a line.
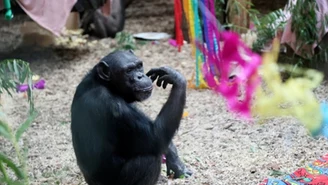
point(113, 23)
point(99, 23)
point(144, 136)
point(171, 113)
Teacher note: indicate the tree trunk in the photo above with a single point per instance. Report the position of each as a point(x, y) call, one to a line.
point(238, 15)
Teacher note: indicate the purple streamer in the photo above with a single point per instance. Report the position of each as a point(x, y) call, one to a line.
point(38, 85)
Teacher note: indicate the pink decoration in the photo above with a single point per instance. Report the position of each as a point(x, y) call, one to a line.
point(252, 26)
point(163, 159)
point(234, 50)
point(173, 42)
point(38, 85)
point(51, 15)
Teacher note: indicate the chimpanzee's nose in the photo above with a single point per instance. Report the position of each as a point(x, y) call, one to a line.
point(140, 75)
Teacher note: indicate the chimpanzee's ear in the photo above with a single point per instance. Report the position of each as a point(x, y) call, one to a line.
point(103, 71)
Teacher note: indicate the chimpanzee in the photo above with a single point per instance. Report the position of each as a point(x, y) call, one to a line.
point(95, 23)
point(114, 142)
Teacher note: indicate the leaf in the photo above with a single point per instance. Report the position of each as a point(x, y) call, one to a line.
point(11, 182)
point(185, 114)
point(19, 174)
point(4, 130)
point(3, 171)
point(16, 69)
point(23, 76)
point(25, 152)
point(13, 72)
point(276, 173)
point(25, 125)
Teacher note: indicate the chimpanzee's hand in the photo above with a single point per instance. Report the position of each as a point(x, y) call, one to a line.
point(166, 76)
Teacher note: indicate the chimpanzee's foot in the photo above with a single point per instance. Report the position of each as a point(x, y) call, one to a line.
point(174, 163)
point(178, 168)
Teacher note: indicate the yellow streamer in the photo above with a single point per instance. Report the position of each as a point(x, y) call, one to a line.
point(202, 83)
point(295, 97)
point(191, 27)
point(187, 12)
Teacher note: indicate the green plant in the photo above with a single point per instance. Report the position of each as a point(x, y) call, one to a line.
point(12, 73)
point(304, 25)
point(219, 10)
point(304, 22)
point(237, 7)
point(125, 41)
point(266, 27)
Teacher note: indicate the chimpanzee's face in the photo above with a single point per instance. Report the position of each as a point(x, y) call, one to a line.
point(135, 79)
point(126, 75)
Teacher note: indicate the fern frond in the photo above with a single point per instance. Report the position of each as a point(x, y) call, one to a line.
point(267, 26)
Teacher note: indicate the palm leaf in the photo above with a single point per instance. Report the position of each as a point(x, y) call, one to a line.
point(14, 72)
point(11, 165)
point(266, 27)
point(4, 172)
point(4, 130)
point(23, 127)
point(10, 182)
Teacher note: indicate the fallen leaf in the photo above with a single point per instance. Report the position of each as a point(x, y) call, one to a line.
point(185, 114)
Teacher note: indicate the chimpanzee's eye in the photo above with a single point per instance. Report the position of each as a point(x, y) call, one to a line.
point(129, 70)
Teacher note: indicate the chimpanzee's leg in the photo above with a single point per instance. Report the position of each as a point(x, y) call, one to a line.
point(87, 21)
point(143, 170)
point(99, 21)
point(174, 163)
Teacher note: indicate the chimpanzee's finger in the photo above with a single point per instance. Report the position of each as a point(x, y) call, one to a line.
point(151, 71)
point(159, 82)
point(165, 84)
point(165, 78)
point(153, 77)
point(158, 71)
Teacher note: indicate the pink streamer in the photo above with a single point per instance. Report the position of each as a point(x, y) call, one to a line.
point(248, 77)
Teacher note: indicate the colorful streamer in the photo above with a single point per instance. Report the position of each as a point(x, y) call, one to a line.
point(191, 11)
point(210, 40)
point(178, 22)
point(294, 97)
point(234, 51)
point(198, 35)
point(185, 5)
point(222, 49)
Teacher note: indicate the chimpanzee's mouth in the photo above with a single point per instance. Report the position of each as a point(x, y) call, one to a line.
point(143, 93)
point(147, 89)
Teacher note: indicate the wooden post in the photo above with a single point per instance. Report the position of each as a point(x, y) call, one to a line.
point(238, 15)
point(35, 35)
point(73, 21)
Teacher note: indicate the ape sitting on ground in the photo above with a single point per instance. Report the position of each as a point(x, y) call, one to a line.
point(114, 142)
point(95, 23)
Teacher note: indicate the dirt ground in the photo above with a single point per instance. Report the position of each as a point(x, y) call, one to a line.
point(218, 147)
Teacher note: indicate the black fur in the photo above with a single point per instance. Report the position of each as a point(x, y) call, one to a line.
point(114, 142)
point(95, 23)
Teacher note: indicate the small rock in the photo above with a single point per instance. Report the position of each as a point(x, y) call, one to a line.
point(253, 170)
point(274, 167)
